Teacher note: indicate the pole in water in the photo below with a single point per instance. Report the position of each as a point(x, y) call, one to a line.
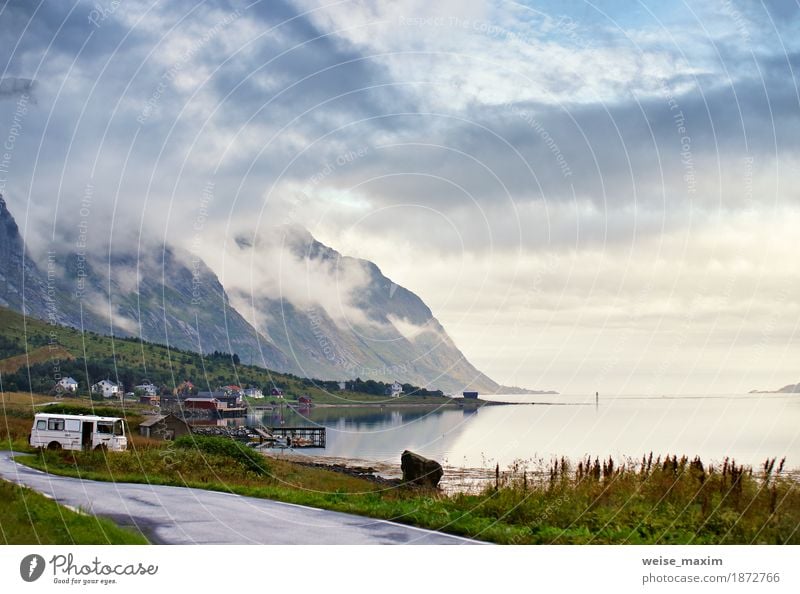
point(596, 399)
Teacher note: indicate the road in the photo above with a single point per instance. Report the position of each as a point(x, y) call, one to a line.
point(178, 515)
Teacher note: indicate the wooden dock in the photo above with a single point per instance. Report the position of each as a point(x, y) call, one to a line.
point(291, 437)
point(300, 437)
point(280, 437)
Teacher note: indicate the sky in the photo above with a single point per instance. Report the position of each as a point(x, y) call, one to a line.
point(590, 196)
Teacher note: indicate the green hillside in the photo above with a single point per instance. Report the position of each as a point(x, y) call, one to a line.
point(89, 357)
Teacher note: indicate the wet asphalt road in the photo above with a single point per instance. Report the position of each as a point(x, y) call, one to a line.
point(177, 515)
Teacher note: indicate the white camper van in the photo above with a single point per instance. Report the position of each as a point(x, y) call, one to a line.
point(78, 432)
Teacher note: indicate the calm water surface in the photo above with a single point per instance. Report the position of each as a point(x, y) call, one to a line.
point(748, 428)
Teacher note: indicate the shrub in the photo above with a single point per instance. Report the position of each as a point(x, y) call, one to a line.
point(74, 409)
point(224, 446)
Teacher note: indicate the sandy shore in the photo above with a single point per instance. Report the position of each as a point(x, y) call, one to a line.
point(455, 479)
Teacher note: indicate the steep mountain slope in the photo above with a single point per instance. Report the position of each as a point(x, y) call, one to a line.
point(312, 311)
point(358, 323)
point(16, 270)
point(162, 295)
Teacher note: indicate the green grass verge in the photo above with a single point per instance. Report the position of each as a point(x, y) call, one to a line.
point(26, 517)
point(670, 502)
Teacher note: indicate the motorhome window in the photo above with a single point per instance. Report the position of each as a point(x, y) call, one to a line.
point(41, 424)
point(118, 428)
point(73, 425)
point(55, 424)
point(105, 427)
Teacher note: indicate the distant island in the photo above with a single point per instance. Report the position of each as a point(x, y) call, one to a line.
point(790, 389)
point(515, 390)
point(526, 391)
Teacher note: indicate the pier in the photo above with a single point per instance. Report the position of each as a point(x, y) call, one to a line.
point(299, 437)
point(281, 437)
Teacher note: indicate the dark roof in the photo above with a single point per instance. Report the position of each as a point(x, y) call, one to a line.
point(158, 418)
point(152, 421)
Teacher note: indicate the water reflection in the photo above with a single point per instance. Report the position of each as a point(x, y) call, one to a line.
point(746, 428)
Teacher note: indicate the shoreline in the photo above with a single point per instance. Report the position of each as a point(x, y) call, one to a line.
point(456, 479)
point(451, 404)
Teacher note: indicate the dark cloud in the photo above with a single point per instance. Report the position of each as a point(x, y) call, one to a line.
point(616, 154)
point(232, 109)
point(12, 87)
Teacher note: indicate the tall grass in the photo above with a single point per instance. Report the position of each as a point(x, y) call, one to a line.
point(665, 500)
point(656, 500)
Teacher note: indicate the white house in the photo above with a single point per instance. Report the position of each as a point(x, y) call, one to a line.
point(107, 388)
point(395, 390)
point(67, 384)
point(253, 393)
point(148, 388)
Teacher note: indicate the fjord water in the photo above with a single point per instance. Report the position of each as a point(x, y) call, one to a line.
point(747, 428)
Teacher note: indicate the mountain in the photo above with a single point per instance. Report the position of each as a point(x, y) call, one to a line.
point(311, 312)
point(161, 295)
point(790, 389)
point(17, 270)
point(167, 296)
point(358, 323)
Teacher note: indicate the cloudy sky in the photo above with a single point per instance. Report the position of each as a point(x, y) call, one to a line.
point(589, 196)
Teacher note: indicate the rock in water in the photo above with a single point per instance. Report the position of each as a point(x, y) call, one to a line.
point(419, 470)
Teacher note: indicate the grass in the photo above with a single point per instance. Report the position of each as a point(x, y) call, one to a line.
point(26, 517)
point(37, 355)
point(44, 347)
point(667, 500)
point(661, 501)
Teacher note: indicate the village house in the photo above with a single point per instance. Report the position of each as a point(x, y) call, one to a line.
point(147, 388)
point(226, 399)
point(394, 390)
point(66, 384)
point(253, 393)
point(151, 400)
point(166, 427)
point(276, 392)
point(304, 401)
point(106, 388)
point(199, 403)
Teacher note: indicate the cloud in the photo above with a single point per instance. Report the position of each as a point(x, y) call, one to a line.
point(483, 139)
point(411, 331)
point(12, 86)
point(282, 263)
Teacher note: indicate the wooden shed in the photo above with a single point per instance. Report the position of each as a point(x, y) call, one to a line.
point(164, 427)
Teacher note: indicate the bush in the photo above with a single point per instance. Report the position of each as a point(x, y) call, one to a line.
point(74, 409)
point(224, 446)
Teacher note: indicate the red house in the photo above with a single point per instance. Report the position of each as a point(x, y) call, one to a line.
point(201, 403)
point(305, 400)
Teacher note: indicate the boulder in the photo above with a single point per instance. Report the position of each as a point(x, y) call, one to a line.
point(419, 470)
